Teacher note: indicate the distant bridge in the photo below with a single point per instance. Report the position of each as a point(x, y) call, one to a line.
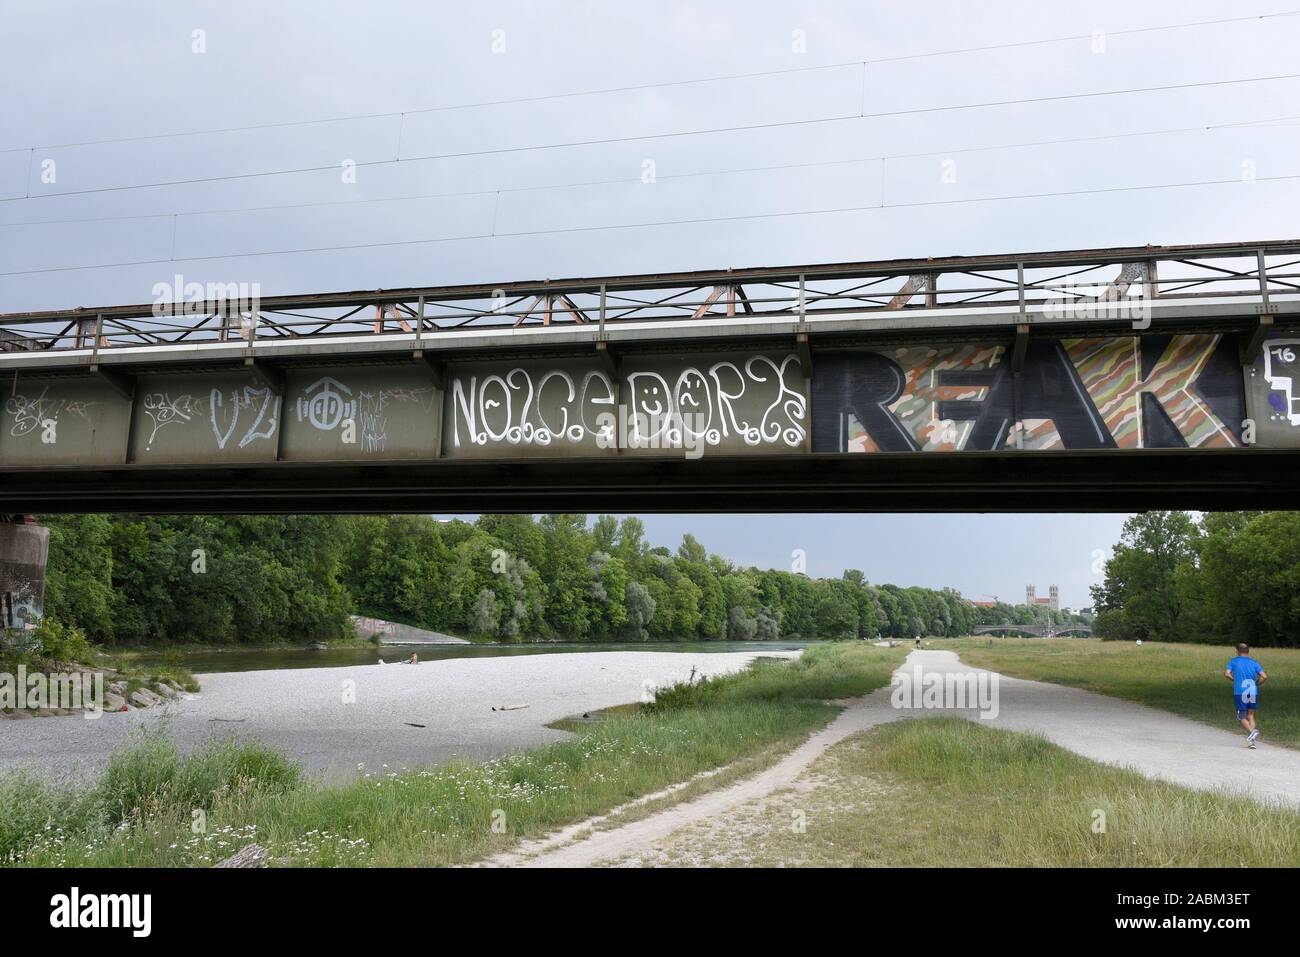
point(1036, 631)
point(1129, 378)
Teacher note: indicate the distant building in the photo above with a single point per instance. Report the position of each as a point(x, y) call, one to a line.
point(1053, 601)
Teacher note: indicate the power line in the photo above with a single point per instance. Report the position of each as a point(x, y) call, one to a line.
point(655, 223)
point(436, 156)
point(466, 154)
point(1077, 96)
point(1013, 44)
point(605, 91)
point(776, 167)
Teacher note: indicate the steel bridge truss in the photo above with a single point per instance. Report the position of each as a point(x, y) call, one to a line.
point(1248, 282)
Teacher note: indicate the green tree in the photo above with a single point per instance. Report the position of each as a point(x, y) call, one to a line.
point(1149, 578)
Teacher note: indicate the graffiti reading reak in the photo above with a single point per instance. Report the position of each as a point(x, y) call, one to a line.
point(1120, 392)
point(734, 404)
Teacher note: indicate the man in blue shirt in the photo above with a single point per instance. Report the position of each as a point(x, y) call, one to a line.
point(1247, 675)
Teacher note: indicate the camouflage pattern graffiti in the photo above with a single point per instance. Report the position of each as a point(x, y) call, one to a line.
point(1182, 391)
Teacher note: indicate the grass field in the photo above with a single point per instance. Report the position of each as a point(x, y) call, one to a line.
point(142, 811)
point(946, 792)
point(1185, 679)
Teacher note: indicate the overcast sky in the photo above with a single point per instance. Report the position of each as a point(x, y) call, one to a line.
point(72, 72)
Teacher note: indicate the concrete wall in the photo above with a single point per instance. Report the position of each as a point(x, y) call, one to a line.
point(1273, 393)
point(361, 413)
point(64, 421)
point(1124, 392)
point(200, 418)
point(23, 553)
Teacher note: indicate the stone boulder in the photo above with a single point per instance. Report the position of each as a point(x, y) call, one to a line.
point(144, 698)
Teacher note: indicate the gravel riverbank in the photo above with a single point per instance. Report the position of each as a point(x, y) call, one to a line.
point(334, 719)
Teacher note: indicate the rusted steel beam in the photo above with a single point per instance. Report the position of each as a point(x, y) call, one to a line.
point(713, 277)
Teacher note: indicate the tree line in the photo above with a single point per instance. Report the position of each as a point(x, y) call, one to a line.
point(1223, 578)
point(265, 579)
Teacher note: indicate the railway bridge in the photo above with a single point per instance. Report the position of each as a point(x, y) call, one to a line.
point(1083, 380)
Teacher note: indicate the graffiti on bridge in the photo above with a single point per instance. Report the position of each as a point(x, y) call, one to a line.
point(1181, 391)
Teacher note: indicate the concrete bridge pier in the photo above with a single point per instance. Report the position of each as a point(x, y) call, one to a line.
point(24, 549)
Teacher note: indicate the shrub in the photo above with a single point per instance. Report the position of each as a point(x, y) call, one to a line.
point(150, 776)
point(60, 642)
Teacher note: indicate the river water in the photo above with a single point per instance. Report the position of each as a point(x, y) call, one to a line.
point(243, 659)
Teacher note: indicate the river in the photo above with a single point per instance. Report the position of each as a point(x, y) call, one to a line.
point(275, 659)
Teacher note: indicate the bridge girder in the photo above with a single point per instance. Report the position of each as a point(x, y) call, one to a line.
point(901, 482)
point(470, 398)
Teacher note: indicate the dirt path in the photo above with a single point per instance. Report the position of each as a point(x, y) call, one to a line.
point(1112, 731)
point(555, 851)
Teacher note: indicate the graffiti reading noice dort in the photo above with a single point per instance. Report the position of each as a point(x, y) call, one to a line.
point(509, 408)
point(693, 407)
point(709, 407)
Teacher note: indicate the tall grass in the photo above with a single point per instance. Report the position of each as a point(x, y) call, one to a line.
point(966, 795)
point(823, 672)
point(145, 781)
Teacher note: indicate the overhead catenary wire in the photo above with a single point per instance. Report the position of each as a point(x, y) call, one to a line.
point(614, 181)
point(664, 84)
point(496, 151)
point(656, 223)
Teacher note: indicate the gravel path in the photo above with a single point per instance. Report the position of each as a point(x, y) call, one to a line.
point(1109, 730)
point(302, 711)
point(1152, 742)
point(561, 849)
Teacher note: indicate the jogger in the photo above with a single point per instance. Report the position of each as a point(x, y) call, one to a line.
point(1246, 675)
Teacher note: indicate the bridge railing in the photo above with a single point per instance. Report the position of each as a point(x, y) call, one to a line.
point(1263, 276)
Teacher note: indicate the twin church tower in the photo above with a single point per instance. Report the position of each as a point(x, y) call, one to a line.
point(1053, 601)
